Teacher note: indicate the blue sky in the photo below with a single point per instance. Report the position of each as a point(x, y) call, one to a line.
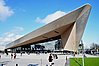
point(19, 17)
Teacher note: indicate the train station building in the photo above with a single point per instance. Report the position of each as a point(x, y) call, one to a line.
point(68, 29)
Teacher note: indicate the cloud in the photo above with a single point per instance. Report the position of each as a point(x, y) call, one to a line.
point(51, 17)
point(11, 35)
point(5, 11)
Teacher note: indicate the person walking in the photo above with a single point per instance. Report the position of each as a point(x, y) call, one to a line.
point(11, 55)
point(14, 55)
point(66, 58)
point(50, 60)
point(21, 53)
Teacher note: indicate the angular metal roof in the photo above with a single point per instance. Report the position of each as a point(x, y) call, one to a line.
point(69, 28)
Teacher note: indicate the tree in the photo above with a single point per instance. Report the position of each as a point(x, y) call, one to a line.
point(94, 46)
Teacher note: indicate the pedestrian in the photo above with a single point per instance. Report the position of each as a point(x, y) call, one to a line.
point(56, 56)
point(11, 55)
point(21, 53)
point(14, 55)
point(50, 60)
point(66, 58)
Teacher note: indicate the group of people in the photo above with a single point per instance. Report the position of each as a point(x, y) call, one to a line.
point(13, 55)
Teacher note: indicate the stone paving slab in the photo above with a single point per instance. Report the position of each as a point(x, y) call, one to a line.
point(40, 59)
point(25, 60)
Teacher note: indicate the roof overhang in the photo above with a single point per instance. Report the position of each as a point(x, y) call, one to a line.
point(69, 28)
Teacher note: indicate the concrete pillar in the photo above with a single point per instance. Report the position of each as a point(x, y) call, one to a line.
point(69, 38)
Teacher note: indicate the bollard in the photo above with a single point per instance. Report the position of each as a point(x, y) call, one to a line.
point(16, 64)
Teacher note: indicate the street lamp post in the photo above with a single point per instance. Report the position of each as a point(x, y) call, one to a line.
point(83, 54)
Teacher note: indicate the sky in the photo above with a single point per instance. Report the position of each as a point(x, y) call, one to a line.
point(20, 17)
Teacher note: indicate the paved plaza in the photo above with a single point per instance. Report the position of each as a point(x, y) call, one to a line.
point(25, 60)
point(39, 59)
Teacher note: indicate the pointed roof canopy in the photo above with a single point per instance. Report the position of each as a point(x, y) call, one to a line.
point(68, 28)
